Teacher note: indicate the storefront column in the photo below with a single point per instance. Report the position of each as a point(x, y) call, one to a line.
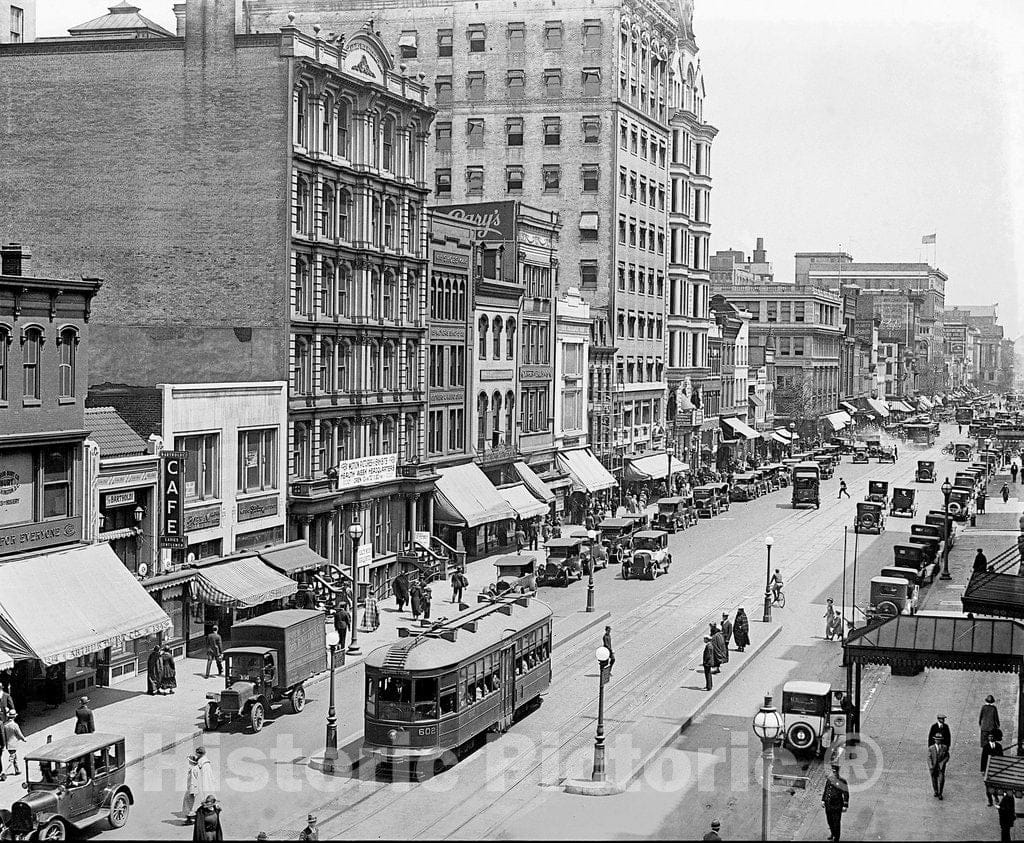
point(430, 513)
point(339, 543)
point(412, 512)
point(328, 533)
point(306, 521)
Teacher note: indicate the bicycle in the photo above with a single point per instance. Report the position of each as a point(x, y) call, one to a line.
point(948, 448)
point(779, 598)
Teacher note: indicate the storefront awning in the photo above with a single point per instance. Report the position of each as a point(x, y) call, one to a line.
point(924, 403)
point(6, 662)
point(522, 502)
point(466, 498)
point(533, 482)
point(878, 407)
point(753, 399)
point(838, 420)
point(241, 583)
point(775, 437)
point(63, 605)
point(652, 467)
point(900, 407)
point(741, 428)
point(585, 469)
point(292, 558)
point(846, 405)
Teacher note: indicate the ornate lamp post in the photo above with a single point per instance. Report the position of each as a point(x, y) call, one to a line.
point(603, 655)
point(768, 542)
point(590, 584)
point(792, 437)
point(767, 726)
point(947, 489)
point(331, 749)
point(355, 532)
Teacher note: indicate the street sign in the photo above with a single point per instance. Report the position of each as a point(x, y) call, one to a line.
point(799, 782)
point(606, 672)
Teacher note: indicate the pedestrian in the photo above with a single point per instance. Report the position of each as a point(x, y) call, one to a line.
point(589, 522)
point(207, 823)
point(988, 718)
point(606, 642)
point(1007, 816)
point(831, 620)
point(214, 651)
point(980, 562)
point(895, 452)
point(304, 597)
point(342, 623)
point(716, 826)
point(311, 831)
point(154, 671)
point(1013, 473)
point(721, 650)
point(708, 662)
point(980, 501)
point(938, 757)
point(726, 627)
point(1005, 492)
point(371, 615)
point(400, 588)
point(11, 735)
point(836, 800)
point(204, 774)
point(940, 728)
point(85, 723)
point(169, 673)
point(842, 488)
point(457, 586)
point(416, 599)
point(520, 539)
point(426, 603)
point(741, 630)
point(992, 746)
point(188, 801)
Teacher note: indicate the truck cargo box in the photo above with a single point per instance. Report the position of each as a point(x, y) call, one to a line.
point(298, 636)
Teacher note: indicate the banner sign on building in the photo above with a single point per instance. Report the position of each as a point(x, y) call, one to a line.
point(366, 471)
point(172, 493)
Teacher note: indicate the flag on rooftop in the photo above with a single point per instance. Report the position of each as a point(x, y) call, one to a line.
point(928, 238)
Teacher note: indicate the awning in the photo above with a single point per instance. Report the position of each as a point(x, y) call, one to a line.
point(292, 558)
point(924, 403)
point(900, 407)
point(741, 428)
point(123, 533)
point(585, 469)
point(652, 467)
point(838, 420)
point(466, 498)
point(63, 605)
point(241, 583)
point(846, 405)
point(589, 220)
point(753, 399)
point(407, 39)
point(990, 593)
point(6, 662)
point(533, 482)
point(773, 436)
point(525, 505)
point(878, 407)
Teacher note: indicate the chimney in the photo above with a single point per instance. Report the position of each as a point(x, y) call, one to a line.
point(760, 255)
point(179, 14)
point(14, 259)
point(210, 29)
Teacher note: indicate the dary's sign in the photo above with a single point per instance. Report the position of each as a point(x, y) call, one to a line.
point(172, 492)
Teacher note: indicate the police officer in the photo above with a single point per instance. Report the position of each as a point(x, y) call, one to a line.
point(835, 799)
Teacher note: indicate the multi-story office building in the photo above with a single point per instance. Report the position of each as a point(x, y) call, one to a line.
point(572, 357)
point(960, 340)
point(988, 363)
point(18, 22)
point(733, 267)
point(734, 327)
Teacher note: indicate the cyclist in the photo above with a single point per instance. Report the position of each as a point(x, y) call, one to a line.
point(775, 583)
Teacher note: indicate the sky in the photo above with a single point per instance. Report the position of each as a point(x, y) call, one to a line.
point(862, 125)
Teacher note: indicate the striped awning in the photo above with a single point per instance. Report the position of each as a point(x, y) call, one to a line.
point(6, 662)
point(241, 583)
point(838, 420)
point(522, 502)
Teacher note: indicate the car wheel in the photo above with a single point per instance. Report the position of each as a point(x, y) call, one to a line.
point(800, 736)
point(53, 830)
point(256, 715)
point(120, 807)
point(298, 699)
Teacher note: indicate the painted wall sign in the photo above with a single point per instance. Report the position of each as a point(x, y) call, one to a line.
point(491, 220)
point(451, 259)
point(133, 478)
point(367, 470)
point(172, 492)
point(43, 534)
point(17, 488)
point(202, 518)
point(257, 508)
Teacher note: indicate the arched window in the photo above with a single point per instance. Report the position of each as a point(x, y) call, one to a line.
point(345, 443)
point(5, 343)
point(32, 342)
point(510, 416)
point(497, 337)
point(325, 447)
point(328, 287)
point(483, 339)
point(388, 366)
point(447, 299)
point(327, 211)
point(461, 312)
point(412, 168)
point(413, 297)
point(374, 352)
point(68, 342)
point(302, 200)
point(373, 437)
point(372, 141)
point(343, 358)
point(302, 117)
point(434, 283)
point(510, 339)
point(327, 127)
point(303, 286)
point(374, 312)
point(344, 215)
point(412, 369)
point(344, 121)
point(391, 224)
point(389, 439)
point(375, 222)
point(481, 420)
point(390, 296)
point(388, 147)
point(412, 436)
point(301, 369)
point(344, 285)
point(496, 419)
point(301, 452)
point(327, 366)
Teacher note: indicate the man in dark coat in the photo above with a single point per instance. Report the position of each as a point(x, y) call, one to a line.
point(940, 728)
point(425, 598)
point(342, 623)
point(980, 562)
point(1007, 816)
point(84, 722)
point(716, 826)
point(741, 630)
point(708, 662)
point(980, 501)
point(988, 718)
point(718, 645)
point(214, 651)
point(154, 671)
point(400, 588)
point(938, 757)
point(606, 642)
point(835, 799)
point(992, 747)
point(726, 627)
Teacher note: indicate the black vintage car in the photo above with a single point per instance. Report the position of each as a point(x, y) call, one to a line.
point(870, 518)
point(916, 557)
point(946, 525)
point(904, 504)
point(960, 501)
point(878, 492)
point(564, 562)
point(925, 471)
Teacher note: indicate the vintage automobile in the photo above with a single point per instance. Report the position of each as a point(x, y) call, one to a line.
point(650, 558)
point(889, 596)
point(517, 573)
point(886, 454)
point(593, 551)
point(878, 492)
point(811, 718)
point(962, 451)
point(921, 557)
point(925, 471)
point(970, 480)
point(874, 445)
point(911, 576)
point(270, 659)
point(722, 494)
point(706, 500)
point(860, 453)
point(904, 504)
point(774, 475)
point(744, 487)
point(71, 783)
point(675, 513)
point(638, 520)
point(825, 464)
point(991, 459)
point(921, 536)
point(946, 525)
point(870, 518)
point(960, 501)
point(806, 484)
point(564, 562)
point(616, 534)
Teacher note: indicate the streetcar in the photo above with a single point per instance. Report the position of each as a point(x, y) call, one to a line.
point(437, 691)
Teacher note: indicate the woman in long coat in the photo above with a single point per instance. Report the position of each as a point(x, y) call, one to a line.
point(741, 630)
point(415, 599)
point(169, 678)
point(207, 825)
point(400, 588)
point(154, 671)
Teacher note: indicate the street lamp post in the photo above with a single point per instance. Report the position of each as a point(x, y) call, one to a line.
point(947, 489)
point(331, 743)
point(768, 542)
point(355, 532)
point(792, 438)
point(767, 726)
point(590, 582)
point(603, 655)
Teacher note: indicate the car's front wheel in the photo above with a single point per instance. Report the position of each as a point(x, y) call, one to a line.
point(120, 807)
point(53, 830)
point(256, 715)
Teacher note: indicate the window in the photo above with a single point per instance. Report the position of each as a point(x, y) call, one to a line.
point(591, 35)
point(301, 211)
point(388, 144)
point(344, 115)
point(798, 346)
point(202, 465)
point(475, 132)
point(553, 82)
point(31, 351)
point(408, 44)
point(592, 129)
point(477, 35)
point(475, 83)
point(514, 179)
point(510, 339)
point(5, 342)
point(57, 473)
point(552, 131)
point(444, 43)
point(68, 342)
point(591, 81)
point(773, 311)
point(622, 230)
point(798, 311)
point(443, 136)
point(443, 182)
point(588, 275)
point(435, 432)
point(552, 175)
point(553, 35)
point(496, 327)
point(257, 460)
point(517, 37)
point(17, 25)
point(514, 131)
point(327, 208)
point(482, 330)
point(474, 181)
point(590, 175)
point(443, 89)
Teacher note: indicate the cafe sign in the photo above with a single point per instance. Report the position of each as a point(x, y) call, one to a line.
point(172, 492)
